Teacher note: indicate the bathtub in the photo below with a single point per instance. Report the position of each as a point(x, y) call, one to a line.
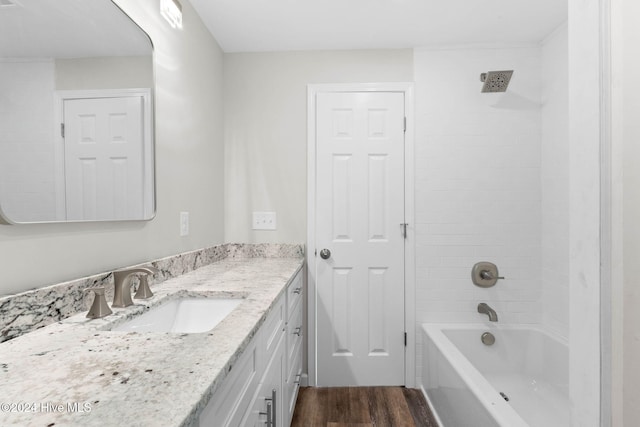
point(463, 379)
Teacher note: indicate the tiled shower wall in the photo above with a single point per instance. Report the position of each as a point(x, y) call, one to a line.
point(478, 184)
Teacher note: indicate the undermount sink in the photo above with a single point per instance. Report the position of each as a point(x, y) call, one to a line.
point(185, 315)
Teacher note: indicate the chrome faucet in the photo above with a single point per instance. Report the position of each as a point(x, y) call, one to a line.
point(122, 285)
point(485, 309)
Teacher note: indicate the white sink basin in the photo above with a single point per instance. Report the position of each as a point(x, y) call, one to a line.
point(184, 315)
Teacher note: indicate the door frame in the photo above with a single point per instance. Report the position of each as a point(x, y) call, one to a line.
point(60, 96)
point(407, 88)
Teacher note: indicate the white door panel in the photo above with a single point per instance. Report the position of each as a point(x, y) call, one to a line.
point(104, 164)
point(360, 209)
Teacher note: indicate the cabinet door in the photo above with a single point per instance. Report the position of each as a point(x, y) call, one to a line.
point(232, 400)
point(270, 393)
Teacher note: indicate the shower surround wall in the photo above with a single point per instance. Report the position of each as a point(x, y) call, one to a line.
point(492, 183)
point(477, 184)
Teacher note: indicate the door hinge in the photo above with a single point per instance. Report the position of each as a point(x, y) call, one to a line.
point(405, 125)
point(405, 339)
point(62, 130)
point(404, 229)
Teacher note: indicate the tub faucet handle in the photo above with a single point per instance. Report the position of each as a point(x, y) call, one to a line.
point(487, 275)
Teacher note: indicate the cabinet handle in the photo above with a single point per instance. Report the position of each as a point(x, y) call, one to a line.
point(269, 414)
point(297, 290)
point(271, 409)
point(297, 331)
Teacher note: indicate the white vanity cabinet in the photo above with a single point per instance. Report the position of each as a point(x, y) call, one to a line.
point(293, 353)
point(262, 387)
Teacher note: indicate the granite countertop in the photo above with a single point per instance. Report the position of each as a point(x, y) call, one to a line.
point(78, 373)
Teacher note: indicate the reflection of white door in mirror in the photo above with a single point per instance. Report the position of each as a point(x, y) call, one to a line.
point(103, 158)
point(103, 163)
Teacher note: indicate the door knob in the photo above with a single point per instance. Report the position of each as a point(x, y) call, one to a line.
point(325, 254)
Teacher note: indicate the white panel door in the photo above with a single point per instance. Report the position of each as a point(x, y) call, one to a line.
point(359, 217)
point(104, 158)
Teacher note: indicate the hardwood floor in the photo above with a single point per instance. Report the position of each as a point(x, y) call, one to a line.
point(362, 407)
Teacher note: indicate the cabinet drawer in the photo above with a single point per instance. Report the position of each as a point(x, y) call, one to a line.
point(294, 293)
point(231, 401)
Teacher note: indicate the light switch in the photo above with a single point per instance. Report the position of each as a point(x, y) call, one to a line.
point(264, 220)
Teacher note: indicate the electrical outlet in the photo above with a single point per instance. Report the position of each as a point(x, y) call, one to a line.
point(264, 220)
point(184, 223)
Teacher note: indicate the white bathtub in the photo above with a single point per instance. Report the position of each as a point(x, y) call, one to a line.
point(462, 378)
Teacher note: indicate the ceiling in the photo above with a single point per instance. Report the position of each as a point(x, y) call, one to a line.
point(68, 29)
point(279, 25)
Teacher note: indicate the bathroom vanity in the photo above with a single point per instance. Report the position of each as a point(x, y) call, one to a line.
point(245, 371)
point(262, 387)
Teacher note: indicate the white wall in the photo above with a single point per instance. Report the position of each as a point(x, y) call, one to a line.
point(622, 26)
point(584, 197)
point(266, 132)
point(554, 172)
point(189, 170)
point(117, 72)
point(27, 180)
point(477, 184)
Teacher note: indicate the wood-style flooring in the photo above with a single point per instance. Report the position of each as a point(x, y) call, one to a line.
point(362, 407)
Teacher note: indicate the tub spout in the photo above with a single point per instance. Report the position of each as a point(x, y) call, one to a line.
point(485, 309)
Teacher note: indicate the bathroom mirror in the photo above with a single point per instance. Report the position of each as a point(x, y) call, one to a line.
point(76, 113)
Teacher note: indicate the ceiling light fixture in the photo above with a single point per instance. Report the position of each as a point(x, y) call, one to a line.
point(172, 12)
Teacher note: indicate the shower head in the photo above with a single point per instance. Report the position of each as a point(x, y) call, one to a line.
point(496, 81)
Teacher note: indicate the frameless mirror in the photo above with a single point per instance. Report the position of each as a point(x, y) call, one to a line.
point(76, 113)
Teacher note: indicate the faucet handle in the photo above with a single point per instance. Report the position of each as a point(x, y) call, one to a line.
point(144, 291)
point(99, 308)
point(487, 275)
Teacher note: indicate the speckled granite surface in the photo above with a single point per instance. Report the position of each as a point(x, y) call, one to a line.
point(28, 311)
point(76, 373)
